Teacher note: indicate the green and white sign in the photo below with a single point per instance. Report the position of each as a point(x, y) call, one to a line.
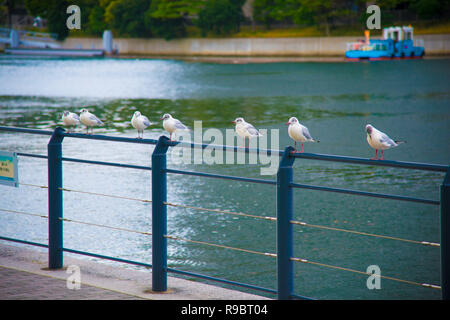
point(9, 169)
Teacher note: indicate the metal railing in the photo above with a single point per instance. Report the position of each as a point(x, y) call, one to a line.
point(284, 218)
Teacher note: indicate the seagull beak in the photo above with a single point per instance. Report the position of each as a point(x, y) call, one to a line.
point(162, 118)
point(288, 123)
point(233, 122)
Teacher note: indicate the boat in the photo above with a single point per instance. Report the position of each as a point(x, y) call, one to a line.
point(397, 43)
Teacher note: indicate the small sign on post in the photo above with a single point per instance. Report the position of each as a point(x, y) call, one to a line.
point(9, 169)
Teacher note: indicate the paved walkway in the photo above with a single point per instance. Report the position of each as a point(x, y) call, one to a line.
point(22, 285)
point(24, 275)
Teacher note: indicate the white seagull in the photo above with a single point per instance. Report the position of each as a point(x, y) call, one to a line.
point(172, 125)
point(245, 129)
point(379, 141)
point(299, 132)
point(89, 120)
point(140, 122)
point(70, 119)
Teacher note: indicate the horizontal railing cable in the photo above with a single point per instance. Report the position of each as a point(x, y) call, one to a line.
point(24, 213)
point(301, 223)
point(242, 214)
point(220, 246)
point(105, 226)
point(427, 243)
point(105, 195)
point(274, 255)
point(220, 211)
point(427, 285)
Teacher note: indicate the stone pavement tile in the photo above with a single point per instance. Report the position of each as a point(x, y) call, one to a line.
point(21, 285)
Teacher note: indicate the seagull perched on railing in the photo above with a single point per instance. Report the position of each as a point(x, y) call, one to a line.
point(379, 141)
point(172, 125)
point(70, 119)
point(245, 129)
point(140, 122)
point(299, 132)
point(89, 120)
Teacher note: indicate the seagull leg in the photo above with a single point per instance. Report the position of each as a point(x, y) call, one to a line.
point(382, 151)
point(375, 158)
point(295, 150)
point(302, 146)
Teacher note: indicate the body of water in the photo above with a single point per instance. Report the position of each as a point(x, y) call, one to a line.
point(409, 100)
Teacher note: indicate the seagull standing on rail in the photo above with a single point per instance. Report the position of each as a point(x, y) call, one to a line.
point(379, 141)
point(245, 129)
point(172, 125)
point(140, 122)
point(299, 132)
point(70, 119)
point(89, 120)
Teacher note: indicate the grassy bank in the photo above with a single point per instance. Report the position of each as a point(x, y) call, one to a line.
point(313, 31)
point(308, 31)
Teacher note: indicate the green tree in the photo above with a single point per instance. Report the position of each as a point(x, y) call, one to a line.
point(96, 20)
point(126, 18)
point(166, 18)
point(319, 12)
point(55, 13)
point(431, 9)
point(220, 16)
point(264, 11)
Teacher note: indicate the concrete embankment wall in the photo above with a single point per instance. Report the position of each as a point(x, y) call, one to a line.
point(314, 46)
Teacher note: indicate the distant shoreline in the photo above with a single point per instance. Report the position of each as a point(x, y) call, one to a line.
point(248, 60)
point(246, 50)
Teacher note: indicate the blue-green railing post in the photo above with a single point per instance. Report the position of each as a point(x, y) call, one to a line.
point(445, 237)
point(285, 205)
point(55, 200)
point(159, 215)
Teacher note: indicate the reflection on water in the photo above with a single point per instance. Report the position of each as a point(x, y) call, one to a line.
point(407, 99)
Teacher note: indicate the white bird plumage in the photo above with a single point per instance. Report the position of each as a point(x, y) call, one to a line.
point(245, 129)
point(379, 141)
point(70, 119)
point(299, 133)
point(89, 120)
point(172, 125)
point(140, 123)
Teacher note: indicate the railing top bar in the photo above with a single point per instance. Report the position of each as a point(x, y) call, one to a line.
point(109, 138)
point(383, 163)
point(312, 156)
point(220, 176)
point(80, 135)
point(224, 148)
point(26, 130)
